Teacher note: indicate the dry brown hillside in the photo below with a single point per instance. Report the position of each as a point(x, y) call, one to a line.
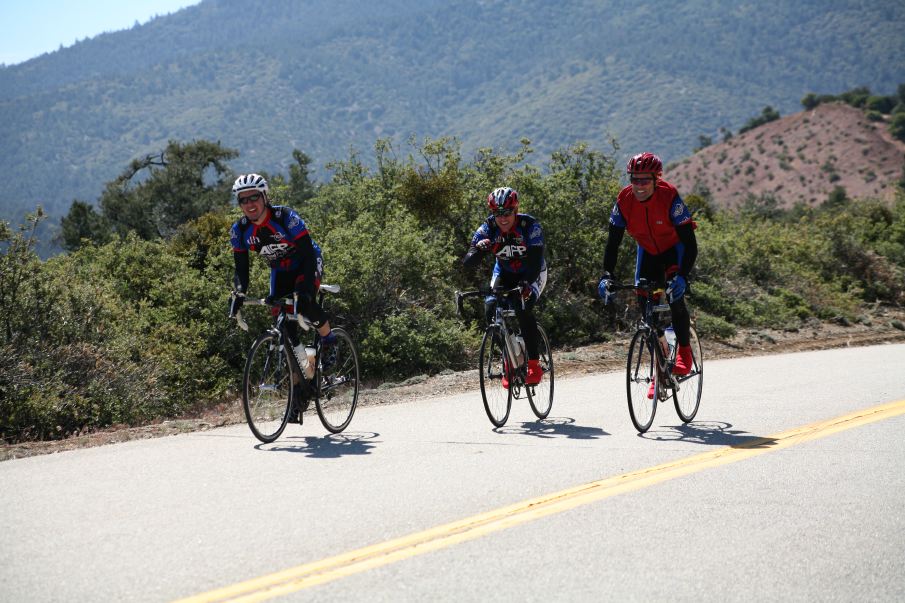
point(801, 157)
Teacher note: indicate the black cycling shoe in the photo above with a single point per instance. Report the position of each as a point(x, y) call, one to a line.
point(299, 405)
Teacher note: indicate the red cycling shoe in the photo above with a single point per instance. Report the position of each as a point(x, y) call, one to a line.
point(684, 361)
point(535, 373)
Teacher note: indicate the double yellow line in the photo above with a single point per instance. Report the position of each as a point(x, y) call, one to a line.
point(333, 568)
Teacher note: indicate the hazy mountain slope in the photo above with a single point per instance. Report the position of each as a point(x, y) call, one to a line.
point(798, 158)
point(324, 76)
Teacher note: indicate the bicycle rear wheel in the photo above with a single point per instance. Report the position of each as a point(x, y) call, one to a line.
point(495, 364)
point(540, 396)
point(687, 398)
point(267, 387)
point(641, 379)
point(337, 395)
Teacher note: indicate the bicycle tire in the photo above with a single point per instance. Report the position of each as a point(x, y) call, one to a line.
point(338, 386)
point(493, 363)
point(540, 396)
point(687, 399)
point(267, 387)
point(641, 372)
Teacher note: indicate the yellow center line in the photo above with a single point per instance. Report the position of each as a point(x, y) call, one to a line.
point(333, 568)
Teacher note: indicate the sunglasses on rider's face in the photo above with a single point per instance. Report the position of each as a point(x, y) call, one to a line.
point(506, 211)
point(644, 180)
point(251, 198)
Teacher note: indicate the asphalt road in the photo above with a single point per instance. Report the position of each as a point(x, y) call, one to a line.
point(788, 485)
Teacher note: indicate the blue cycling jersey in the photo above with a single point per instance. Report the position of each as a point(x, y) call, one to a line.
point(275, 239)
point(511, 249)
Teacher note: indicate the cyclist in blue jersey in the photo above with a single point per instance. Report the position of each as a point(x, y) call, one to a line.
point(517, 242)
point(653, 213)
point(280, 236)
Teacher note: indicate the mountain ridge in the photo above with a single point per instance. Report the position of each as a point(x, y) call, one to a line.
point(268, 77)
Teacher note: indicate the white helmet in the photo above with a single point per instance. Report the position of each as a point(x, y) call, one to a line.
point(248, 182)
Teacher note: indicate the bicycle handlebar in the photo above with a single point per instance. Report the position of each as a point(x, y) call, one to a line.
point(274, 303)
point(483, 292)
point(642, 285)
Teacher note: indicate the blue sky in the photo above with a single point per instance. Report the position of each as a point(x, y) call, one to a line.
point(33, 27)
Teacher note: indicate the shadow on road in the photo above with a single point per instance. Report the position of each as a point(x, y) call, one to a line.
point(711, 433)
point(554, 427)
point(326, 447)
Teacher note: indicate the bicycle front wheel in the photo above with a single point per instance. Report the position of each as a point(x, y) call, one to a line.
point(687, 396)
point(540, 396)
point(641, 380)
point(338, 385)
point(267, 387)
point(494, 366)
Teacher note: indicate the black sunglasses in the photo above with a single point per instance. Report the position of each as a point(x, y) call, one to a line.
point(250, 199)
point(645, 180)
point(506, 211)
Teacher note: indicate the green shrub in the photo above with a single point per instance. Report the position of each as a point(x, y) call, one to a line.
point(709, 326)
point(134, 330)
point(417, 341)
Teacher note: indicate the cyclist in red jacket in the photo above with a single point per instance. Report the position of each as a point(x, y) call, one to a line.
point(656, 217)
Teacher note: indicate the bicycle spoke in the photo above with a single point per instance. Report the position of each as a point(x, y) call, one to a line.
point(493, 363)
point(641, 373)
point(540, 396)
point(687, 397)
point(267, 387)
point(338, 389)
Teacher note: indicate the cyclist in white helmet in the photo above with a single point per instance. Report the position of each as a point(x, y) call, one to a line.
point(281, 237)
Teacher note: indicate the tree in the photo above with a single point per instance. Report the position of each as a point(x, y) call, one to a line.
point(17, 265)
point(810, 101)
point(881, 104)
point(300, 186)
point(856, 97)
point(703, 142)
point(156, 194)
point(897, 126)
point(767, 115)
point(84, 223)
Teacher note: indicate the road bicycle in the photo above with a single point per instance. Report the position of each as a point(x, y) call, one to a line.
point(277, 368)
point(503, 353)
point(651, 357)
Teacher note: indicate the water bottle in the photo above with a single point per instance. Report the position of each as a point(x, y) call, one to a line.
point(305, 356)
point(519, 346)
point(671, 341)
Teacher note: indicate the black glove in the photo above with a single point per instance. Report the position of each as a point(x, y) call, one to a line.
point(235, 303)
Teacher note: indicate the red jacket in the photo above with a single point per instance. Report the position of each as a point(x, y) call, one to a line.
point(652, 223)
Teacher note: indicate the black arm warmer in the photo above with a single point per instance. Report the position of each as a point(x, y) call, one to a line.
point(688, 238)
point(240, 277)
point(533, 262)
point(304, 252)
point(614, 239)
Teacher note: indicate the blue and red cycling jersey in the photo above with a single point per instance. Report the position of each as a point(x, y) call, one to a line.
point(276, 239)
point(512, 249)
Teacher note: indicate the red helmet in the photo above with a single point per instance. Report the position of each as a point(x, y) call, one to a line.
point(644, 162)
point(502, 198)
